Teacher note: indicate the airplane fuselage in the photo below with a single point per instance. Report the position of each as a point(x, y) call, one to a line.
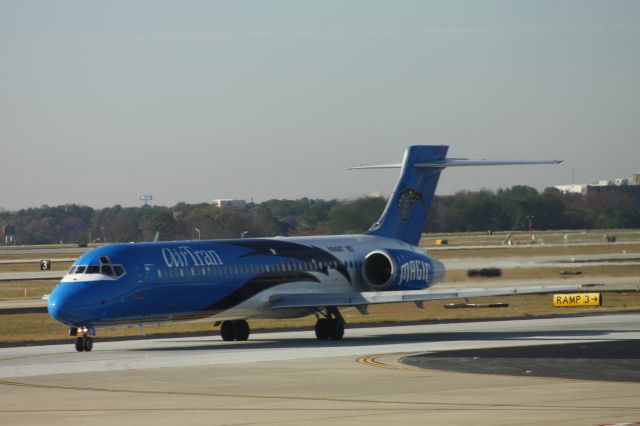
point(141, 283)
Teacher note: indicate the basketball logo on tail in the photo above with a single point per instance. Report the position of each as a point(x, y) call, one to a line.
point(408, 197)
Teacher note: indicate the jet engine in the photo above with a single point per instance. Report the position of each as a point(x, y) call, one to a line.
point(400, 270)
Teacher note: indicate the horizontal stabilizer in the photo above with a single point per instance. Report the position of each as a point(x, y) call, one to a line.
point(457, 162)
point(306, 300)
point(376, 166)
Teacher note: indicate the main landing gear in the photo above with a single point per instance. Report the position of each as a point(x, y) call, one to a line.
point(331, 327)
point(234, 330)
point(84, 342)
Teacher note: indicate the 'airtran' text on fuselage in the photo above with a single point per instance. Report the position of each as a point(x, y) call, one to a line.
point(184, 256)
point(414, 270)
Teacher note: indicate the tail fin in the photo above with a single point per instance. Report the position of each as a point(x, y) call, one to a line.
point(406, 213)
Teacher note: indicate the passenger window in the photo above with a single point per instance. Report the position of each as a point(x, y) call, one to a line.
point(106, 269)
point(118, 270)
point(93, 269)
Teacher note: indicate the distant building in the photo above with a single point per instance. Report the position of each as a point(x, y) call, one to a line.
point(621, 185)
point(230, 203)
point(571, 189)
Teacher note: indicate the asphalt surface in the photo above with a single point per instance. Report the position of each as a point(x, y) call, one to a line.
point(290, 378)
point(611, 361)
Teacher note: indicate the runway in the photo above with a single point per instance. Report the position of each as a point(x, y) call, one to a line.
point(290, 378)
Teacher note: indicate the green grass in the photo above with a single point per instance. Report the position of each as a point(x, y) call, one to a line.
point(34, 327)
point(10, 290)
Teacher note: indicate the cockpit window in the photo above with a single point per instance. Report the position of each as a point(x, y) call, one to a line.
point(93, 269)
point(110, 270)
point(119, 270)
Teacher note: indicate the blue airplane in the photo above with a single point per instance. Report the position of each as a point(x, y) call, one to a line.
point(230, 281)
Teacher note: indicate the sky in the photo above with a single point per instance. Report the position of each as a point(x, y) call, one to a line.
point(101, 102)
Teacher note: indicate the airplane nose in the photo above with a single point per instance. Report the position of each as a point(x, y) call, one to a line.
point(60, 303)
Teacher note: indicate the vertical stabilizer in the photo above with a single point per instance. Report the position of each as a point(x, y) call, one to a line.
point(406, 213)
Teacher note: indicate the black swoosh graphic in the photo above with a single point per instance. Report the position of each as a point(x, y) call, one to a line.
point(258, 284)
point(293, 251)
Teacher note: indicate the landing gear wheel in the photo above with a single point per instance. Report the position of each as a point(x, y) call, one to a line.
point(330, 324)
point(323, 329)
point(336, 329)
point(242, 330)
point(84, 344)
point(88, 344)
point(227, 331)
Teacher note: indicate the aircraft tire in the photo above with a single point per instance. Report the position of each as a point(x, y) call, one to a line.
point(79, 345)
point(227, 331)
point(323, 330)
point(242, 330)
point(87, 345)
point(336, 329)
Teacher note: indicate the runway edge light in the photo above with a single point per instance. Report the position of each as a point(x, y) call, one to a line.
point(577, 299)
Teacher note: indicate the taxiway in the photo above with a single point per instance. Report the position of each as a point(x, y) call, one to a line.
point(290, 378)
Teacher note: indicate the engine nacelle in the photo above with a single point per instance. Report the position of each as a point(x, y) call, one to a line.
point(400, 270)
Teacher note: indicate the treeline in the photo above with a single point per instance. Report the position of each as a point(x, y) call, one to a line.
point(509, 209)
point(502, 210)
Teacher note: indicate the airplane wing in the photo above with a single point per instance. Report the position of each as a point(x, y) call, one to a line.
point(311, 300)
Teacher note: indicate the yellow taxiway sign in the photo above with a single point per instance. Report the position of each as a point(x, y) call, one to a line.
point(577, 299)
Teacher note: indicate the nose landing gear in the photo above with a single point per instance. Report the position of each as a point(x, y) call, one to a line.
point(84, 344)
point(84, 341)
